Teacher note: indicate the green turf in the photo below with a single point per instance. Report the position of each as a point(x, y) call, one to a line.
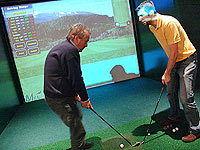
point(134, 131)
point(108, 49)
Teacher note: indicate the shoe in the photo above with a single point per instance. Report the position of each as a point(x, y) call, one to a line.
point(87, 145)
point(190, 137)
point(169, 121)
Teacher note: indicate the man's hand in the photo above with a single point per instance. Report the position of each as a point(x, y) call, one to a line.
point(86, 104)
point(165, 78)
point(78, 98)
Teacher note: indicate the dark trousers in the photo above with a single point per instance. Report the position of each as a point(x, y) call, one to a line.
point(69, 112)
point(183, 77)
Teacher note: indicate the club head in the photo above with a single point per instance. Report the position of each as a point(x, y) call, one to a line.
point(137, 144)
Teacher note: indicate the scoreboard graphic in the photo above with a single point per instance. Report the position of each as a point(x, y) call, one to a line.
point(21, 28)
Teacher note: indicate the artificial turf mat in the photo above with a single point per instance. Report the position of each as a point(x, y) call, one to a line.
point(134, 131)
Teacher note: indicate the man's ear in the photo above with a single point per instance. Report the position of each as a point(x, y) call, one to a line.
point(76, 40)
point(151, 2)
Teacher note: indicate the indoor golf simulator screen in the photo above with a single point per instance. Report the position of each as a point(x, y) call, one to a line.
point(33, 29)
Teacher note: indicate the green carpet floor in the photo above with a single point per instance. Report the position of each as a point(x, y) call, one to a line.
point(134, 131)
point(126, 105)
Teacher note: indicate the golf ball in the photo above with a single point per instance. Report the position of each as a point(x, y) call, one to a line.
point(173, 130)
point(149, 134)
point(177, 128)
point(121, 145)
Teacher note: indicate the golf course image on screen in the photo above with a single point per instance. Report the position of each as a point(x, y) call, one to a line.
point(34, 29)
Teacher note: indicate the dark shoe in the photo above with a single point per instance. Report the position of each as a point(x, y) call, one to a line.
point(190, 137)
point(169, 121)
point(88, 145)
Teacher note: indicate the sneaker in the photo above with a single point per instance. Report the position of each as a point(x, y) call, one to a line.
point(190, 137)
point(169, 121)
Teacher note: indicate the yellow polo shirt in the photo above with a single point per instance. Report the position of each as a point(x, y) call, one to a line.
point(169, 31)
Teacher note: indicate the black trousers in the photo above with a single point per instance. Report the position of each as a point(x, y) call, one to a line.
point(69, 112)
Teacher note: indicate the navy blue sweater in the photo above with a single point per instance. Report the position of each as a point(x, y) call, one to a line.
point(62, 73)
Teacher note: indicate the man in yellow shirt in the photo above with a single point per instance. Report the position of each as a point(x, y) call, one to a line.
point(181, 68)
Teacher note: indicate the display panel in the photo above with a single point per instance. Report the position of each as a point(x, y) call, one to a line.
point(33, 29)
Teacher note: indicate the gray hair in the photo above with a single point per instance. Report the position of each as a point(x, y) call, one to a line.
point(77, 29)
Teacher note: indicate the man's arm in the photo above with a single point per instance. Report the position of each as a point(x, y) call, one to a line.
point(172, 60)
point(76, 79)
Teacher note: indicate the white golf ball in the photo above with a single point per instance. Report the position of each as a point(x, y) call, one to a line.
point(173, 130)
point(149, 134)
point(121, 145)
point(177, 128)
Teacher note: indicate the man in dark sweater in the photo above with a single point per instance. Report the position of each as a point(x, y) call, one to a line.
point(64, 85)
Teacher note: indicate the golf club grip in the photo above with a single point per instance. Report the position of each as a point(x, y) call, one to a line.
point(111, 126)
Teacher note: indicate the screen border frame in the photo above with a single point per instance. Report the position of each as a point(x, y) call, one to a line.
point(10, 55)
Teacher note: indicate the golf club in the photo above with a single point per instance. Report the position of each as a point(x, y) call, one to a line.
point(111, 126)
point(139, 143)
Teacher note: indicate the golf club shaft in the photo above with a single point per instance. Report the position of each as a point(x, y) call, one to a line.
point(154, 111)
point(111, 126)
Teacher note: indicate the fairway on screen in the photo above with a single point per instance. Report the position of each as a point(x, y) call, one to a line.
point(33, 29)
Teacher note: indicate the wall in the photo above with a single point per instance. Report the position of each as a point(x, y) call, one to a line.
point(154, 59)
point(8, 96)
point(153, 56)
point(189, 13)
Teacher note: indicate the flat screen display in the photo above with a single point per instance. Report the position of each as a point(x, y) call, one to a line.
point(34, 29)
